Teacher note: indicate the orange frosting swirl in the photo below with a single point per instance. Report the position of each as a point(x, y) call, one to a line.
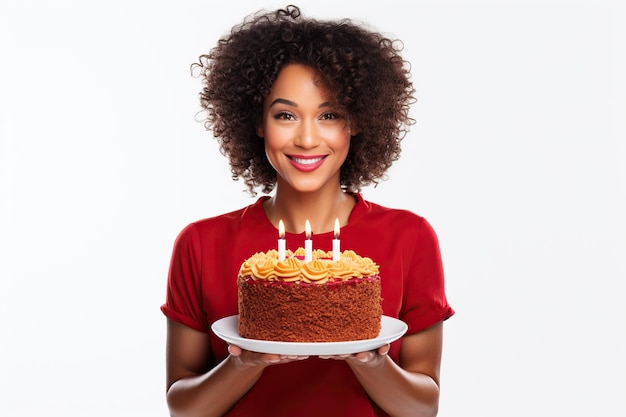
point(288, 270)
point(246, 266)
point(315, 271)
point(264, 268)
point(321, 269)
point(362, 266)
point(341, 270)
point(320, 254)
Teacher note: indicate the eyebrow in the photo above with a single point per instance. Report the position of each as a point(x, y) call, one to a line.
point(294, 104)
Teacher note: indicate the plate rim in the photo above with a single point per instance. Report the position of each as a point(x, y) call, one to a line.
point(301, 348)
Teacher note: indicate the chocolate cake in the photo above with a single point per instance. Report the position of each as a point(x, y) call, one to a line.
point(318, 301)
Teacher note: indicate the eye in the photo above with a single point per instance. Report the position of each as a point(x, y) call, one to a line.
point(284, 115)
point(330, 116)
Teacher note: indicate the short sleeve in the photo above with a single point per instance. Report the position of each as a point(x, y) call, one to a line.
point(183, 302)
point(425, 301)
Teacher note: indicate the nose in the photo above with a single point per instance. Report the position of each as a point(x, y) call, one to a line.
point(307, 135)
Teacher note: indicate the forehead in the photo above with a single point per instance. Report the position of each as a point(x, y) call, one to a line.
point(297, 80)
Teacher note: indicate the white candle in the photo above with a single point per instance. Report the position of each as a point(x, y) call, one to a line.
point(308, 243)
point(336, 247)
point(281, 241)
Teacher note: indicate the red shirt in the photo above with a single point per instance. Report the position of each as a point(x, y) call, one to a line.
point(202, 288)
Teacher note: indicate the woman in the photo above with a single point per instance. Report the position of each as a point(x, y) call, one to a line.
point(309, 111)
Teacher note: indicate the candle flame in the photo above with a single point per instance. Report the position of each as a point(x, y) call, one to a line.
point(336, 228)
point(307, 229)
point(281, 229)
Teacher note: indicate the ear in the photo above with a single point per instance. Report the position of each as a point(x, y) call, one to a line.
point(354, 130)
point(260, 132)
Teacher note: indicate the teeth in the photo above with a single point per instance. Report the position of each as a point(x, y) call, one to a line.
point(307, 161)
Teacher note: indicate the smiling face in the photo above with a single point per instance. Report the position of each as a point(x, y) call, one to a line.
point(306, 140)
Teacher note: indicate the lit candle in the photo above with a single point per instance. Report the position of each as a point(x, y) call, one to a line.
point(281, 241)
point(308, 243)
point(336, 249)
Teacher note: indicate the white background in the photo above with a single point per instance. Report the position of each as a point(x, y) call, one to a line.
point(517, 159)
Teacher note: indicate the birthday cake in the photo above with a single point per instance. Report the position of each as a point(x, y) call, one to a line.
point(322, 300)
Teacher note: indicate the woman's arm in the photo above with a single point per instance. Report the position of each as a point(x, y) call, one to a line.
point(410, 388)
point(194, 387)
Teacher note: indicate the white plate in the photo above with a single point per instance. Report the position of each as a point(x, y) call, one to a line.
point(226, 329)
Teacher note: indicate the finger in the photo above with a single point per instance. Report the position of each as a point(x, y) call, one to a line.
point(337, 357)
point(384, 349)
point(271, 358)
point(365, 356)
point(234, 350)
point(293, 357)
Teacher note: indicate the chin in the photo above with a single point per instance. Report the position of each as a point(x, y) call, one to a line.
point(306, 189)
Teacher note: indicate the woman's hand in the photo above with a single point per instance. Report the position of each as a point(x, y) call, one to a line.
point(244, 359)
point(370, 358)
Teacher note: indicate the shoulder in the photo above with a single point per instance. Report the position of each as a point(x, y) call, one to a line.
point(369, 211)
point(398, 221)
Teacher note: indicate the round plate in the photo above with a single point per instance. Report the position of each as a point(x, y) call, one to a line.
point(391, 329)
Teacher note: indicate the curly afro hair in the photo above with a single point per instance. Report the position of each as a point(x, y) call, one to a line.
point(362, 68)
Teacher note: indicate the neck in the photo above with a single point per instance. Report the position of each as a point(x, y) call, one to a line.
point(320, 208)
